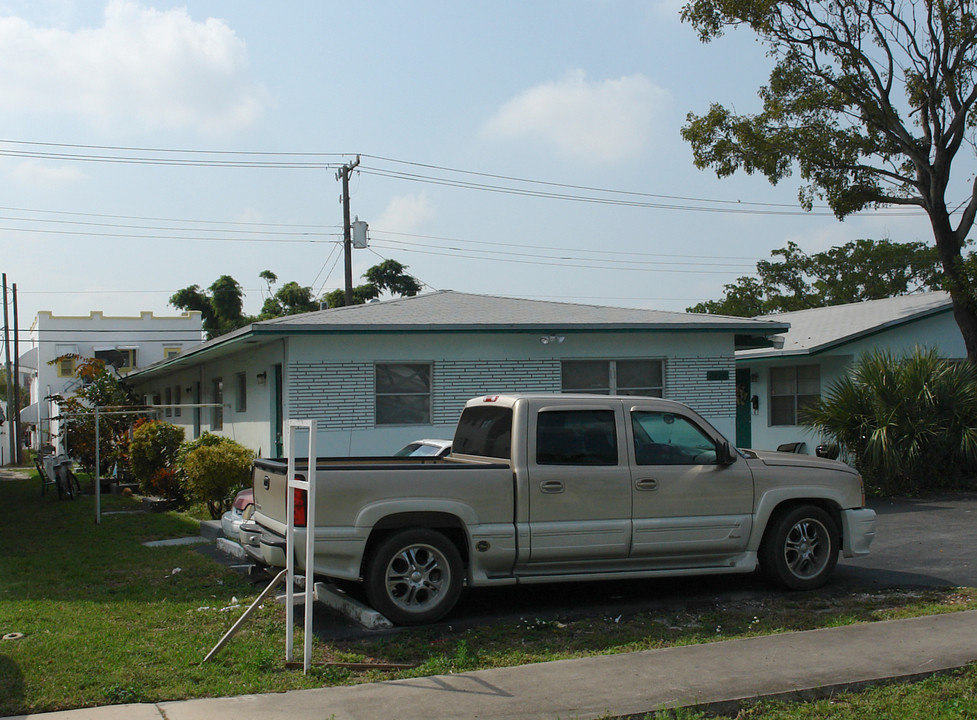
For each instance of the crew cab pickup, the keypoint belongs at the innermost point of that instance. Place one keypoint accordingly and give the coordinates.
(542, 488)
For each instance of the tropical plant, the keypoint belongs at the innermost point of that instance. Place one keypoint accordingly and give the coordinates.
(212, 468)
(909, 423)
(103, 388)
(152, 454)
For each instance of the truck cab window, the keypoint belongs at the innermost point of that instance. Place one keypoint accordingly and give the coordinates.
(576, 437)
(663, 438)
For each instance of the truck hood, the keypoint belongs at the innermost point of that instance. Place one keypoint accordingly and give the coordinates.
(782, 459)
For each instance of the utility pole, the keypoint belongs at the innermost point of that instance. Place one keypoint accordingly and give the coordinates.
(344, 173)
(10, 381)
(15, 420)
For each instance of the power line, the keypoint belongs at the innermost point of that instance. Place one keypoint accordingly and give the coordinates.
(321, 160)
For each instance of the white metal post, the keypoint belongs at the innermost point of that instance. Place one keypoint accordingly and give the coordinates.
(309, 485)
(98, 471)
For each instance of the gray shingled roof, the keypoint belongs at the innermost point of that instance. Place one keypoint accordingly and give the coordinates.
(819, 329)
(450, 310)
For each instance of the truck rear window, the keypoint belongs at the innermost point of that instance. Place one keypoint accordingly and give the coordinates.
(484, 431)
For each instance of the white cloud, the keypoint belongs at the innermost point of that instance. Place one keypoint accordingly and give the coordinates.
(45, 177)
(142, 67)
(405, 213)
(593, 121)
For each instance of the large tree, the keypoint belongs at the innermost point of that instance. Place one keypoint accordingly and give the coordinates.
(856, 271)
(871, 101)
(221, 310)
(390, 276)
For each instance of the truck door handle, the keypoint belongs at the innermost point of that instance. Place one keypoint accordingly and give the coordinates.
(266, 482)
(551, 486)
(647, 484)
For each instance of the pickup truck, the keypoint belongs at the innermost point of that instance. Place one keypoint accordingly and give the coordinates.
(544, 488)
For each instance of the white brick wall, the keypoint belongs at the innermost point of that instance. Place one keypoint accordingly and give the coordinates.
(341, 395)
(456, 382)
(338, 395)
(686, 381)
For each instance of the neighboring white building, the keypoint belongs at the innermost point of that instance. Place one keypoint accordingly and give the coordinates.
(380, 375)
(773, 384)
(58, 343)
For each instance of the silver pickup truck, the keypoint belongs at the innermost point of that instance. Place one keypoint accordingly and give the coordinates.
(543, 488)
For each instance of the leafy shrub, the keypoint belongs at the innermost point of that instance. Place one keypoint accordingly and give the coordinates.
(154, 448)
(213, 469)
(909, 423)
(164, 483)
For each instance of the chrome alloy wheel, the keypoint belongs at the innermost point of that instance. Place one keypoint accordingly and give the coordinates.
(417, 576)
(806, 548)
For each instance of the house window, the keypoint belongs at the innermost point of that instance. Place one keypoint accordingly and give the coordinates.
(614, 377)
(169, 352)
(66, 356)
(242, 392)
(168, 411)
(403, 394)
(177, 400)
(122, 359)
(217, 397)
(792, 389)
(66, 366)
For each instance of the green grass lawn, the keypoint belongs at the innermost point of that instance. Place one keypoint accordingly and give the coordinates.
(107, 620)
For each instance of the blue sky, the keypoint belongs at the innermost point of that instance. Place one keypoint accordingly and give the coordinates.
(584, 98)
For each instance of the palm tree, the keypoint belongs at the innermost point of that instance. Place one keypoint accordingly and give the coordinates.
(909, 423)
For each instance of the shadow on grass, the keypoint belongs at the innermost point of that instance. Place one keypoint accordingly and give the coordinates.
(11, 680)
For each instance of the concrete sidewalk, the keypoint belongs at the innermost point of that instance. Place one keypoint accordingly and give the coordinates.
(719, 675)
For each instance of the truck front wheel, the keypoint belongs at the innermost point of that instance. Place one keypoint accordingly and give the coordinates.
(414, 577)
(800, 548)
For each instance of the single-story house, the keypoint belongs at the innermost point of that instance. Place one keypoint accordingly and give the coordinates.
(380, 375)
(774, 383)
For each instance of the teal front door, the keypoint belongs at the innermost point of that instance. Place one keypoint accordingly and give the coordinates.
(744, 409)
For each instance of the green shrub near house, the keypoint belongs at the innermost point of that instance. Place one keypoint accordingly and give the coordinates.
(908, 422)
(211, 468)
(152, 456)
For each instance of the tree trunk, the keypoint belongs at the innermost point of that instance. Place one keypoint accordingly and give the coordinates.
(964, 306)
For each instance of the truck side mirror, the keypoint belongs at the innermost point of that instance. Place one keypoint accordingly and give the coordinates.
(724, 455)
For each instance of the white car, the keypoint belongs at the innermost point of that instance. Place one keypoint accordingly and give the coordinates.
(240, 511)
(425, 448)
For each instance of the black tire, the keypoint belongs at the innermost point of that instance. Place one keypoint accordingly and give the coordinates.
(414, 577)
(800, 548)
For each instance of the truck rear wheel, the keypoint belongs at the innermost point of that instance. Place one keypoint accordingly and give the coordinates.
(414, 577)
(800, 548)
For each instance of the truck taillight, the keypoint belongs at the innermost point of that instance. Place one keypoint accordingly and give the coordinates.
(300, 507)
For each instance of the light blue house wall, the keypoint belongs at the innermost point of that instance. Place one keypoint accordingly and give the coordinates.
(898, 334)
(332, 381)
(326, 362)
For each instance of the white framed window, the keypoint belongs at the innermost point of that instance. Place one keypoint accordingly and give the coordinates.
(403, 393)
(791, 390)
(168, 400)
(169, 352)
(122, 359)
(644, 377)
(177, 400)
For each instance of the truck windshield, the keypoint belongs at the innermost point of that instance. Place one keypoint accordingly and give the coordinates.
(484, 431)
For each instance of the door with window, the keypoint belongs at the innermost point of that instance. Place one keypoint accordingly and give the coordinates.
(685, 502)
(579, 484)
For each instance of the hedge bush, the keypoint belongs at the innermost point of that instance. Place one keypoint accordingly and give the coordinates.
(212, 468)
